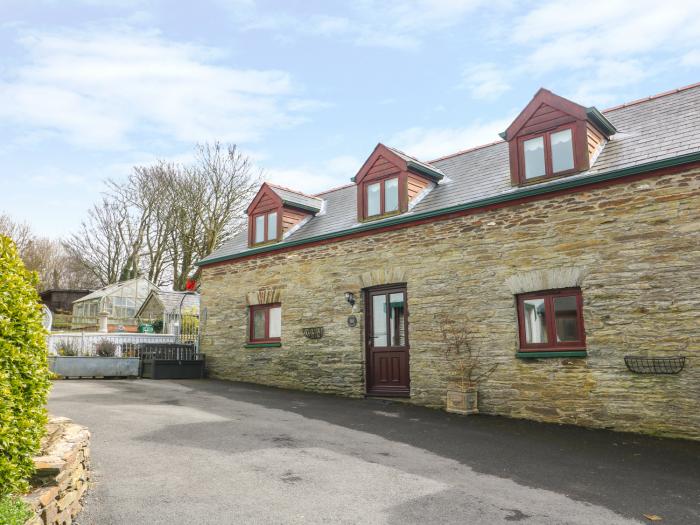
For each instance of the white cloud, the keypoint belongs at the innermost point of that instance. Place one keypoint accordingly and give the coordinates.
(393, 24)
(485, 81)
(100, 89)
(316, 178)
(430, 143)
(562, 37)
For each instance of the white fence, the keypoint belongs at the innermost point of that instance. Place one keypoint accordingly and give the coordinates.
(85, 343)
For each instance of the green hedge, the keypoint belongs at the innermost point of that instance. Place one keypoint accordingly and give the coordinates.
(24, 374)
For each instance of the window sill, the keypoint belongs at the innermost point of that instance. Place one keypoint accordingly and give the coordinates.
(550, 353)
(263, 345)
(380, 217)
(264, 243)
(544, 178)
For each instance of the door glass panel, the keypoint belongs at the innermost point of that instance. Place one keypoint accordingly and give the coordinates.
(259, 228)
(562, 151)
(276, 321)
(535, 321)
(379, 320)
(272, 226)
(258, 324)
(397, 325)
(534, 157)
(373, 191)
(566, 318)
(391, 195)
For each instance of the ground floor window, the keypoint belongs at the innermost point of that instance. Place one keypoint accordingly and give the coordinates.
(265, 323)
(551, 320)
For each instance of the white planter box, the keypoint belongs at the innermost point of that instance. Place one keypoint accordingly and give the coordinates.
(94, 366)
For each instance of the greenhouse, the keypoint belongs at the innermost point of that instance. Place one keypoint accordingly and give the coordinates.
(121, 301)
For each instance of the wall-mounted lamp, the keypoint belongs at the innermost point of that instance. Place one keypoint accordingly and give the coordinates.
(350, 298)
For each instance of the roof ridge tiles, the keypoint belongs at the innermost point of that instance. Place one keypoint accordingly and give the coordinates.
(334, 189)
(468, 150)
(652, 97)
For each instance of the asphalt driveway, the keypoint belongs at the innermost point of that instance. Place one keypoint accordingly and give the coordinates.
(213, 452)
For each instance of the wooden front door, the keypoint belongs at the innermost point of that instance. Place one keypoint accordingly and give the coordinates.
(386, 340)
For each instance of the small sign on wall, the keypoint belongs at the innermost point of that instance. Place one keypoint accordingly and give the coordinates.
(352, 321)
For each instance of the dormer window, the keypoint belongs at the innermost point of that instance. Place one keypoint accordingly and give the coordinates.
(389, 181)
(383, 197)
(548, 154)
(265, 226)
(276, 211)
(554, 137)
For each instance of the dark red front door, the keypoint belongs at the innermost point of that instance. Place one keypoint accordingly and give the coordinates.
(386, 334)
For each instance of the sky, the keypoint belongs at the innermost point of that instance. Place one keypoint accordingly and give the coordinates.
(91, 88)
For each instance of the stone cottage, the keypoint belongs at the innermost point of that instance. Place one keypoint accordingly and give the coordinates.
(561, 249)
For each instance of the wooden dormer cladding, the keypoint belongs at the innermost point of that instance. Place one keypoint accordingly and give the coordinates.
(554, 137)
(276, 210)
(291, 218)
(388, 181)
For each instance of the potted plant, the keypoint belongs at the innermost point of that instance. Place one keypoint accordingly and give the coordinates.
(465, 368)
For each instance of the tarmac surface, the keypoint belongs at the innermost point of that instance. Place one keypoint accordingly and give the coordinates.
(216, 452)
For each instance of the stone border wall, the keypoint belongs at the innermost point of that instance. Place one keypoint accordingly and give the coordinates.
(62, 474)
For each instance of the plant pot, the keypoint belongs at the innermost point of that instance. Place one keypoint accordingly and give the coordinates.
(84, 366)
(462, 400)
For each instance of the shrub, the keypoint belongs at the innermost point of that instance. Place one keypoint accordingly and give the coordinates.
(24, 372)
(13, 511)
(105, 348)
(68, 349)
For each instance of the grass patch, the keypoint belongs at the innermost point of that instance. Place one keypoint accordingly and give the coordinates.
(13, 511)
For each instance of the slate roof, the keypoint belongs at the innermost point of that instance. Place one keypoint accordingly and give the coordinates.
(296, 198)
(653, 129)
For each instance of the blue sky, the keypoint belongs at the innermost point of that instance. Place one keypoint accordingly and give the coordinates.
(90, 88)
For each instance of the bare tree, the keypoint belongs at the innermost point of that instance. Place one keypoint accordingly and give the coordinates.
(163, 218)
(101, 245)
(55, 266)
(19, 232)
(208, 200)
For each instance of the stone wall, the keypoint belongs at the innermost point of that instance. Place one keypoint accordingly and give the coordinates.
(62, 474)
(633, 248)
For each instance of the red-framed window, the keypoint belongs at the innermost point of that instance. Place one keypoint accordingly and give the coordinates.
(551, 320)
(381, 197)
(265, 323)
(266, 227)
(547, 154)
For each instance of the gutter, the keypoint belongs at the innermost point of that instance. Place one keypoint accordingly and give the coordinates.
(303, 207)
(490, 201)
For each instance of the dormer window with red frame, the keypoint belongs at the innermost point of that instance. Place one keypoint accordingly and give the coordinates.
(553, 137)
(265, 227)
(382, 197)
(547, 154)
(275, 211)
(389, 181)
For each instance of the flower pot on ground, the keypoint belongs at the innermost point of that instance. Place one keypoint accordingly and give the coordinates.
(465, 368)
(462, 400)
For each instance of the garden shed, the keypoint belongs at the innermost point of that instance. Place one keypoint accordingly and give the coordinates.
(120, 300)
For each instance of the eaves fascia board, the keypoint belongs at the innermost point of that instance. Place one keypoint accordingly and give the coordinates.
(434, 174)
(481, 203)
(599, 120)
